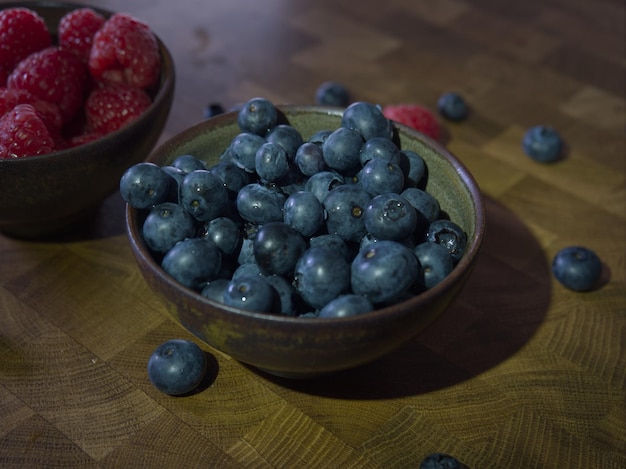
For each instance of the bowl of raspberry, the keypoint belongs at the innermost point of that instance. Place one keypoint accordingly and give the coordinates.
(303, 240)
(108, 85)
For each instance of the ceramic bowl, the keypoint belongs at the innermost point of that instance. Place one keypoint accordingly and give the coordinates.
(41, 196)
(298, 347)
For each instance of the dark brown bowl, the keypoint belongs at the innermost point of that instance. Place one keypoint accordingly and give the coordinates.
(303, 347)
(49, 194)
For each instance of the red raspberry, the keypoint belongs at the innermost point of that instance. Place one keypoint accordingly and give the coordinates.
(23, 133)
(125, 51)
(414, 116)
(114, 105)
(22, 32)
(54, 75)
(49, 112)
(77, 29)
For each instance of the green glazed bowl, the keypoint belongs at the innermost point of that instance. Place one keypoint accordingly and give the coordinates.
(304, 347)
(42, 196)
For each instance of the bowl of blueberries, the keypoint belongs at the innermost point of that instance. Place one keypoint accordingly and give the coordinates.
(303, 240)
(74, 111)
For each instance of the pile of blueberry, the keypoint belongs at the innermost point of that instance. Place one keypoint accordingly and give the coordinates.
(337, 225)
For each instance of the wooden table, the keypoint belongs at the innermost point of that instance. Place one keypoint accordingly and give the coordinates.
(519, 373)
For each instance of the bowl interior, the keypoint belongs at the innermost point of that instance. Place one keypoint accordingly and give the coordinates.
(299, 347)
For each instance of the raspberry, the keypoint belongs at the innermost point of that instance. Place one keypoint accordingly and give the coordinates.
(125, 51)
(114, 105)
(49, 112)
(77, 29)
(23, 133)
(22, 32)
(54, 75)
(414, 116)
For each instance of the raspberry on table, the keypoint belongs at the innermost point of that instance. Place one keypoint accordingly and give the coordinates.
(23, 133)
(22, 32)
(77, 30)
(114, 105)
(414, 116)
(54, 75)
(125, 51)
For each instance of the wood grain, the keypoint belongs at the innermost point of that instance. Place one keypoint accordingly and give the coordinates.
(518, 373)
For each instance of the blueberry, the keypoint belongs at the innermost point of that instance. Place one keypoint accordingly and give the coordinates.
(165, 225)
(232, 176)
(258, 203)
(440, 461)
(243, 150)
(320, 136)
(542, 144)
(192, 262)
(342, 150)
(277, 247)
(320, 276)
(215, 289)
(203, 195)
(271, 163)
(177, 367)
(577, 268)
(378, 147)
(286, 294)
(224, 233)
(304, 212)
(346, 305)
(345, 208)
(188, 163)
(320, 184)
(427, 205)
(416, 171)
(449, 235)
(380, 176)
(251, 293)
(390, 216)
(436, 263)
(212, 110)
(248, 269)
(331, 93)
(287, 137)
(333, 242)
(453, 107)
(144, 185)
(310, 159)
(367, 119)
(384, 271)
(257, 116)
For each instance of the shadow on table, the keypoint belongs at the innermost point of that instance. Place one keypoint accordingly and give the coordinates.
(499, 310)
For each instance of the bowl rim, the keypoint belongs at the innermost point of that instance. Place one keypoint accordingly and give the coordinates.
(466, 263)
(166, 84)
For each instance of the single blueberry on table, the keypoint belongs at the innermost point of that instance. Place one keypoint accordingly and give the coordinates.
(320, 276)
(440, 461)
(543, 144)
(304, 212)
(453, 107)
(213, 109)
(367, 119)
(203, 195)
(252, 293)
(145, 185)
(165, 225)
(436, 263)
(577, 268)
(257, 116)
(346, 305)
(193, 262)
(177, 367)
(384, 271)
(449, 235)
(331, 93)
(277, 247)
(390, 216)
